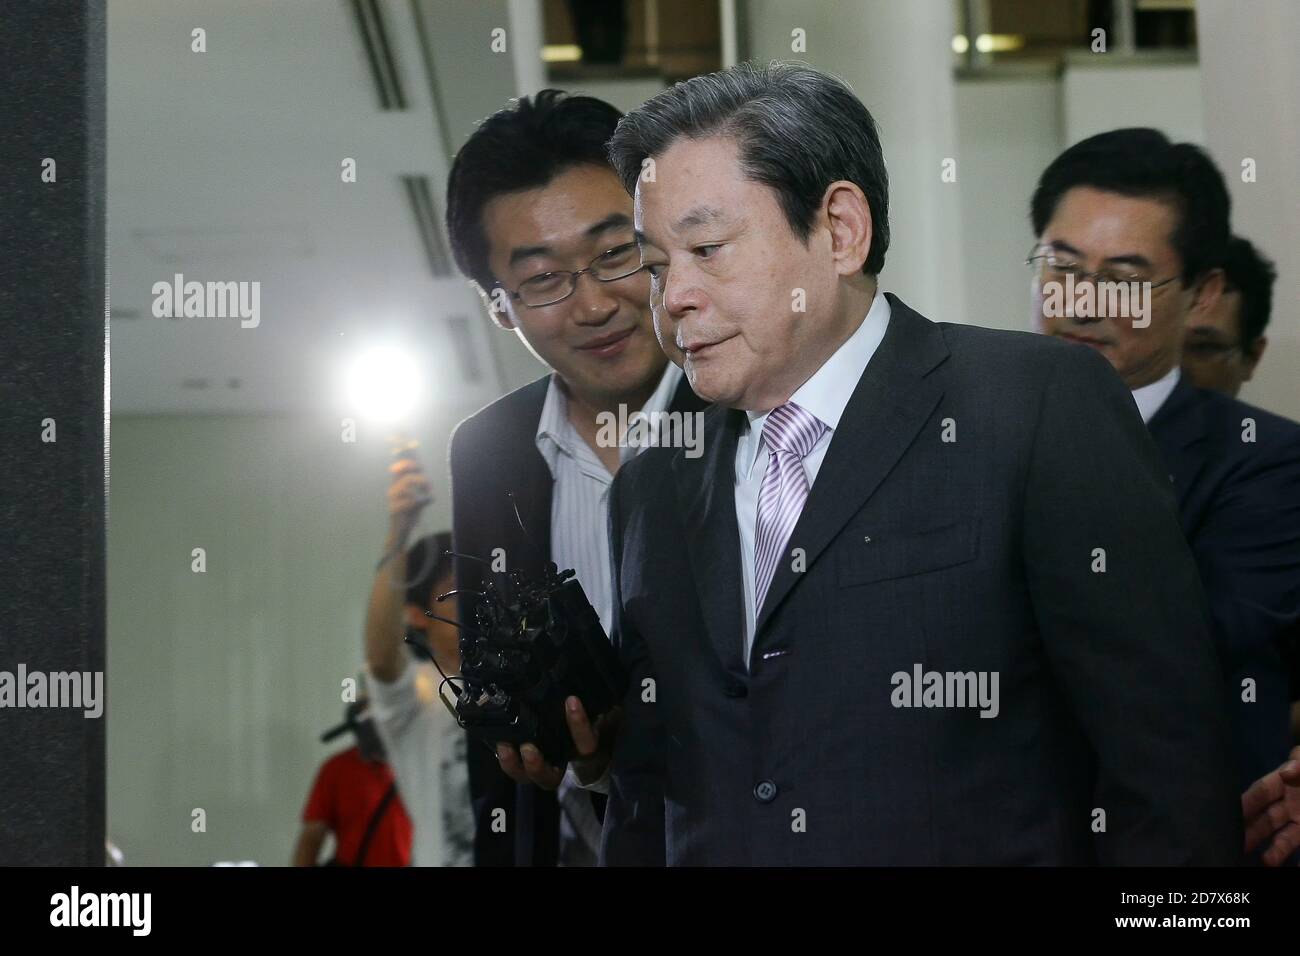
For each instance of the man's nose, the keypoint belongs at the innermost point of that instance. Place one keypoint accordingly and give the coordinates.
(680, 297)
(593, 301)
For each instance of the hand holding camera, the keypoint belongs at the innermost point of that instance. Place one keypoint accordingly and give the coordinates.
(594, 745)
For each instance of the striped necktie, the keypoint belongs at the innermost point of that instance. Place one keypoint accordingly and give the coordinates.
(790, 433)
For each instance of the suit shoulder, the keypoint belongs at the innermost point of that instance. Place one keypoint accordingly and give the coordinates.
(977, 338)
(1227, 407)
(514, 411)
(1232, 415)
(646, 470)
(1010, 357)
(644, 477)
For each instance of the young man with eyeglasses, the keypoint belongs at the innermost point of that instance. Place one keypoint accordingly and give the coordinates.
(543, 227)
(1224, 344)
(1131, 206)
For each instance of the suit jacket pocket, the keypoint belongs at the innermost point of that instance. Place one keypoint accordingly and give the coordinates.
(900, 553)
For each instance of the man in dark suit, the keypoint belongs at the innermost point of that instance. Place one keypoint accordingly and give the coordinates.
(924, 599)
(540, 223)
(1222, 349)
(1239, 500)
(1130, 207)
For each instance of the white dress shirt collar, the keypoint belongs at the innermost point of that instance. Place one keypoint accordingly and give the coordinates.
(556, 434)
(1149, 398)
(827, 392)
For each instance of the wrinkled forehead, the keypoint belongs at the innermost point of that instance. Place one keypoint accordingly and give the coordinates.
(1107, 225)
(695, 187)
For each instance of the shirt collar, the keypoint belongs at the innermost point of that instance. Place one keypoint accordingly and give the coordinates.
(1149, 398)
(827, 392)
(556, 434)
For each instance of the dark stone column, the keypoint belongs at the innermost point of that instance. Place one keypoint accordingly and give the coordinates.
(53, 319)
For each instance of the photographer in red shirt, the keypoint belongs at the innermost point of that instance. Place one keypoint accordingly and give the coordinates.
(355, 798)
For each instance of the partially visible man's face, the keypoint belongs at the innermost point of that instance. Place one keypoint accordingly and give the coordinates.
(1214, 356)
(726, 267)
(600, 339)
(441, 635)
(1128, 236)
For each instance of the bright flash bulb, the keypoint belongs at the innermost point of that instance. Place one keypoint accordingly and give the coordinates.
(383, 384)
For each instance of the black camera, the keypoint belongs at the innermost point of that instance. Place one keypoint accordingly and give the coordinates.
(533, 642)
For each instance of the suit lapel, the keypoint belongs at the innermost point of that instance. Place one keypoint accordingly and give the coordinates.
(1178, 427)
(891, 403)
(706, 491)
(530, 482)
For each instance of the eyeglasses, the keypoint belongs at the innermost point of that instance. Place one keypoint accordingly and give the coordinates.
(1054, 267)
(548, 288)
(1211, 351)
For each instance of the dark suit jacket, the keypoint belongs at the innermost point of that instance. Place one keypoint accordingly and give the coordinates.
(961, 556)
(1239, 503)
(493, 454)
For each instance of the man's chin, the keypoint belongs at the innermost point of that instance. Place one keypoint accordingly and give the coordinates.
(626, 376)
(707, 385)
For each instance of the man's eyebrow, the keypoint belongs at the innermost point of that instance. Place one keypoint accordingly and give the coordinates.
(615, 220)
(1060, 245)
(699, 216)
(1129, 258)
(519, 253)
(1204, 332)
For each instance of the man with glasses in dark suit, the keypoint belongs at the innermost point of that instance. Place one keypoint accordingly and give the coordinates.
(1130, 208)
(542, 226)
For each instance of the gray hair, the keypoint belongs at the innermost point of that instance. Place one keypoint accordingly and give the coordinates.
(798, 129)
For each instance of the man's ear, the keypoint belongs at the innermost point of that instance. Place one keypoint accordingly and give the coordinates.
(848, 215)
(415, 617)
(1253, 353)
(1208, 291)
(497, 302)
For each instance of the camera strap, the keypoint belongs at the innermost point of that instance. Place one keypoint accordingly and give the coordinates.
(373, 825)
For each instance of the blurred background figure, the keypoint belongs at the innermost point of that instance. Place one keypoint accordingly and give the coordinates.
(425, 745)
(1224, 343)
(355, 801)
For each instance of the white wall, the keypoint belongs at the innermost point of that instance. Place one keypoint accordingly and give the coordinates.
(625, 94)
(1251, 87)
(897, 57)
(219, 684)
(1008, 130)
(1098, 94)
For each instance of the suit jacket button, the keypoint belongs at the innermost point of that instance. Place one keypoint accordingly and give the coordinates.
(765, 791)
(736, 689)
